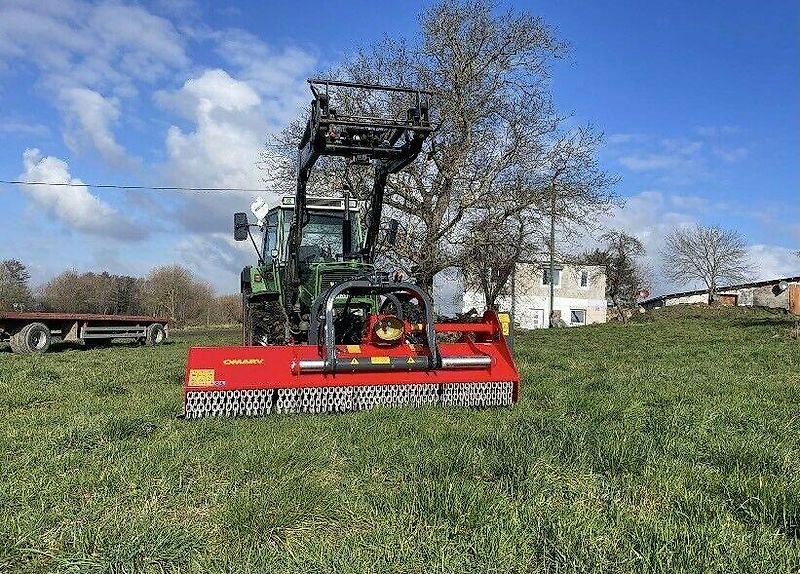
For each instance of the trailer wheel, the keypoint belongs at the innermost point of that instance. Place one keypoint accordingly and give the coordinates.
(32, 338)
(155, 335)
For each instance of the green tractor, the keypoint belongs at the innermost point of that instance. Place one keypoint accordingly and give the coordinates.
(310, 245)
(323, 262)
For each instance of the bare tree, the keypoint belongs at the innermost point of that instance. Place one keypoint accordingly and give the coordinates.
(66, 293)
(492, 108)
(625, 273)
(708, 254)
(229, 309)
(73, 292)
(173, 290)
(493, 245)
(561, 190)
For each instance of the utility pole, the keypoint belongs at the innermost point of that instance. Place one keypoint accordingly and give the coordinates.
(512, 328)
(552, 250)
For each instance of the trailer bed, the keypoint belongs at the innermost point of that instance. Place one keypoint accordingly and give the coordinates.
(33, 332)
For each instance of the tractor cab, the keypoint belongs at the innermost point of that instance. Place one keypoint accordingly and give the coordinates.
(323, 233)
(330, 250)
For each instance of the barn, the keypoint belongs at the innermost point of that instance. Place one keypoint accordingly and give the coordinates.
(780, 293)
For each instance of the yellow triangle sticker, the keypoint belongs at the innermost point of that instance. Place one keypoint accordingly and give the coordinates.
(354, 361)
(411, 361)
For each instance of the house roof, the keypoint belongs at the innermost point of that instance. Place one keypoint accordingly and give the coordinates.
(720, 289)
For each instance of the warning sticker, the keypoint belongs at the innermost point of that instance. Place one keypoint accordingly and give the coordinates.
(354, 361)
(411, 361)
(379, 360)
(201, 377)
(353, 348)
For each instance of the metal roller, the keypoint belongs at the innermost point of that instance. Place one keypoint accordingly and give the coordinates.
(345, 399)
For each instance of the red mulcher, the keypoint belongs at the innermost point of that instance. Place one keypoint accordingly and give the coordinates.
(396, 364)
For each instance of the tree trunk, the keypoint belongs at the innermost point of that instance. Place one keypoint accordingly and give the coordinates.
(620, 312)
(424, 280)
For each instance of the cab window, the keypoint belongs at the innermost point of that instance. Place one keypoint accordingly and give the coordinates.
(322, 238)
(271, 236)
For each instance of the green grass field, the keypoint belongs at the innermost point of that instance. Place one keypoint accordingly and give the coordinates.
(668, 445)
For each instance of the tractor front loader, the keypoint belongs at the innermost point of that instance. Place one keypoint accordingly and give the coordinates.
(323, 330)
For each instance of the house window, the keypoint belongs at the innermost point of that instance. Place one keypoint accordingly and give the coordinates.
(577, 316)
(546, 277)
(584, 278)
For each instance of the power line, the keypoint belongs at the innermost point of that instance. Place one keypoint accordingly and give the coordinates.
(145, 187)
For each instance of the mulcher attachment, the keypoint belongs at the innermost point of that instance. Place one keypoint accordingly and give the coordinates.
(406, 369)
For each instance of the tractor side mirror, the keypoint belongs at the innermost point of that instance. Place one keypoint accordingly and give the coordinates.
(241, 226)
(391, 237)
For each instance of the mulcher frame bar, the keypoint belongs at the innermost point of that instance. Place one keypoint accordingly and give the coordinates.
(367, 287)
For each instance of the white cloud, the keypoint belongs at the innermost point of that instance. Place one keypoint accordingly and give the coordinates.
(89, 118)
(278, 75)
(221, 151)
(81, 50)
(100, 46)
(16, 126)
(216, 256)
(679, 160)
(214, 89)
(232, 117)
(716, 131)
(73, 205)
(624, 138)
(731, 155)
(651, 215)
(689, 202)
(647, 162)
(671, 153)
(771, 261)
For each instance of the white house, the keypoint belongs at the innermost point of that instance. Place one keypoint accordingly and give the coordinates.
(579, 295)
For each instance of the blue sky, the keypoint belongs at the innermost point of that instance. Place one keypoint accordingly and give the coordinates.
(699, 101)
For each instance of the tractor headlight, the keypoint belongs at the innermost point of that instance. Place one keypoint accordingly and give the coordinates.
(389, 329)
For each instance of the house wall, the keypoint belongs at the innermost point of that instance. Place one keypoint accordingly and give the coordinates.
(533, 298)
(699, 298)
(764, 296)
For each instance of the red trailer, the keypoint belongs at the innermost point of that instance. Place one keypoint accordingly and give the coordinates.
(34, 332)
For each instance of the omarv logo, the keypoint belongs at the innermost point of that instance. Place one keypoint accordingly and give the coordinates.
(243, 362)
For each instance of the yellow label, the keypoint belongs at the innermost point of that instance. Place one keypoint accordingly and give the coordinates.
(411, 361)
(505, 320)
(380, 360)
(353, 348)
(201, 377)
(354, 361)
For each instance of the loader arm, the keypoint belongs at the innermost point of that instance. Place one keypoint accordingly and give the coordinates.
(389, 142)
(382, 171)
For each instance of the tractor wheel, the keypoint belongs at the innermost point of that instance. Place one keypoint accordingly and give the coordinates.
(155, 335)
(265, 323)
(32, 338)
